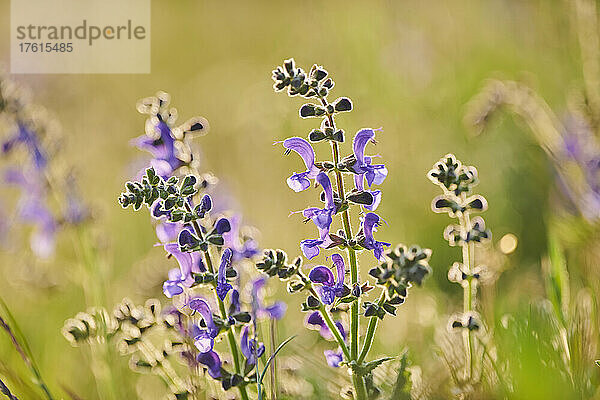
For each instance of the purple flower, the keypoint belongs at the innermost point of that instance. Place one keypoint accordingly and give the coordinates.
(329, 288)
(251, 349)
(315, 321)
(275, 310)
(162, 149)
(322, 219)
(168, 231)
(204, 338)
(334, 357)
(212, 362)
(369, 224)
(28, 138)
(242, 247)
(359, 185)
(301, 181)
(32, 209)
(222, 285)
(188, 263)
(375, 174)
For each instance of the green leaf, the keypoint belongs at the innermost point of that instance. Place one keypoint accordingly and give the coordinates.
(403, 384)
(264, 371)
(557, 278)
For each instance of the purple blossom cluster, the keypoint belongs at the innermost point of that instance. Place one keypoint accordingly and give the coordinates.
(30, 149)
(193, 232)
(328, 292)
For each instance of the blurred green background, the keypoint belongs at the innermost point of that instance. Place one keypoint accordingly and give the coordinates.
(409, 67)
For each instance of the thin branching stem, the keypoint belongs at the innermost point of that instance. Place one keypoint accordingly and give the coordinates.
(230, 334)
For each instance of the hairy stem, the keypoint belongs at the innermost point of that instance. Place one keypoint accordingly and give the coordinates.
(358, 381)
(468, 297)
(371, 328)
(230, 334)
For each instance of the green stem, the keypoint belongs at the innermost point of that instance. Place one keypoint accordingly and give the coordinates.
(358, 381)
(230, 334)
(370, 332)
(467, 252)
(23, 349)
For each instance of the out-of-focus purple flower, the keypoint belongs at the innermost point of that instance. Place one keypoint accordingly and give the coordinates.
(223, 287)
(334, 357)
(275, 310)
(168, 231)
(29, 139)
(204, 338)
(212, 362)
(235, 306)
(315, 321)
(329, 288)
(375, 174)
(251, 349)
(242, 247)
(370, 222)
(322, 219)
(32, 208)
(301, 181)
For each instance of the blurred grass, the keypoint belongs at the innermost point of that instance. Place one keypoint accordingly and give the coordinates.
(409, 67)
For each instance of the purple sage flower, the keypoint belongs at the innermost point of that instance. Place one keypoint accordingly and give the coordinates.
(370, 222)
(329, 288)
(301, 181)
(375, 174)
(204, 338)
(189, 263)
(275, 310)
(251, 349)
(212, 362)
(315, 321)
(223, 287)
(322, 219)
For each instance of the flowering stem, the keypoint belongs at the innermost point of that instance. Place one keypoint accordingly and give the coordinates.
(359, 383)
(230, 334)
(467, 252)
(370, 332)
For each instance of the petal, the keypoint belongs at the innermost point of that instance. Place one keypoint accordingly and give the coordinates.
(204, 342)
(338, 262)
(321, 274)
(200, 305)
(334, 358)
(304, 150)
(212, 362)
(184, 259)
(244, 345)
(222, 285)
(298, 182)
(376, 200)
(277, 310)
(359, 143)
(310, 247)
(327, 294)
(172, 288)
(323, 180)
